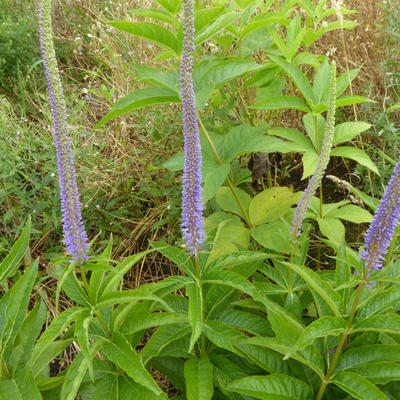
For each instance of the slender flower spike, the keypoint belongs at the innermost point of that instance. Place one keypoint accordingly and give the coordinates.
(381, 230)
(192, 218)
(75, 237)
(323, 160)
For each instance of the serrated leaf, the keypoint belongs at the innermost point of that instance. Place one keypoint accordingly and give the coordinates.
(16, 254)
(199, 378)
(162, 339)
(272, 387)
(270, 204)
(379, 373)
(120, 352)
(194, 292)
(297, 76)
(321, 287)
(368, 353)
(142, 321)
(322, 327)
(150, 31)
(349, 130)
(155, 13)
(138, 99)
(215, 27)
(355, 154)
(19, 296)
(358, 386)
(282, 103)
(274, 235)
(228, 202)
(171, 6)
(388, 323)
(310, 356)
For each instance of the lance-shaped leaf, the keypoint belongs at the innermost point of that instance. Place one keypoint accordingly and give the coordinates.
(199, 379)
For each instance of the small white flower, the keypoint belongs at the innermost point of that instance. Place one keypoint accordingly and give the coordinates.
(97, 206)
(53, 175)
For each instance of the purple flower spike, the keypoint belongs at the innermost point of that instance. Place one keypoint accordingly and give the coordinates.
(323, 160)
(75, 237)
(192, 208)
(381, 230)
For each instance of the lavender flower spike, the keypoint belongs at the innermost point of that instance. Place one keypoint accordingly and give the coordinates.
(75, 237)
(192, 218)
(381, 230)
(323, 160)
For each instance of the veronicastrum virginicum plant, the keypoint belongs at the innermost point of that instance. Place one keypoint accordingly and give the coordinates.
(245, 324)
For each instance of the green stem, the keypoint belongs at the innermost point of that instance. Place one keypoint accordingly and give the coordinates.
(103, 324)
(198, 278)
(84, 280)
(343, 338)
(230, 184)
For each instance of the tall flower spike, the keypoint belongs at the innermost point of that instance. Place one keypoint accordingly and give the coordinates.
(75, 237)
(192, 218)
(381, 230)
(323, 160)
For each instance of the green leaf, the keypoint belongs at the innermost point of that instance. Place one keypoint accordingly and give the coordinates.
(53, 331)
(73, 378)
(193, 291)
(369, 353)
(16, 254)
(310, 356)
(27, 335)
(213, 179)
(9, 390)
(245, 321)
(349, 130)
(342, 82)
(302, 143)
(234, 259)
(199, 379)
(229, 238)
(82, 334)
(271, 204)
(355, 154)
(380, 303)
(265, 358)
(155, 13)
(177, 256)
(282, 103)
(138, 99)
(321, 83)
(18, 301)
(225, 70)
(297, 76)
(352, 213)
(120, 352)
(321, 287)
(162, 339)
(379, 373)
(228, 202)
(152, 32)
(273, 236)
(223, 335)
(245, 140)
(172, 6)
(315, 127)
(322, 327)
(115, 277)
(388, 323)
(349, 100)
(143, 321)
(215, 27)
(358, 387)
(332, 228)
(166, 79)
(272, 387)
